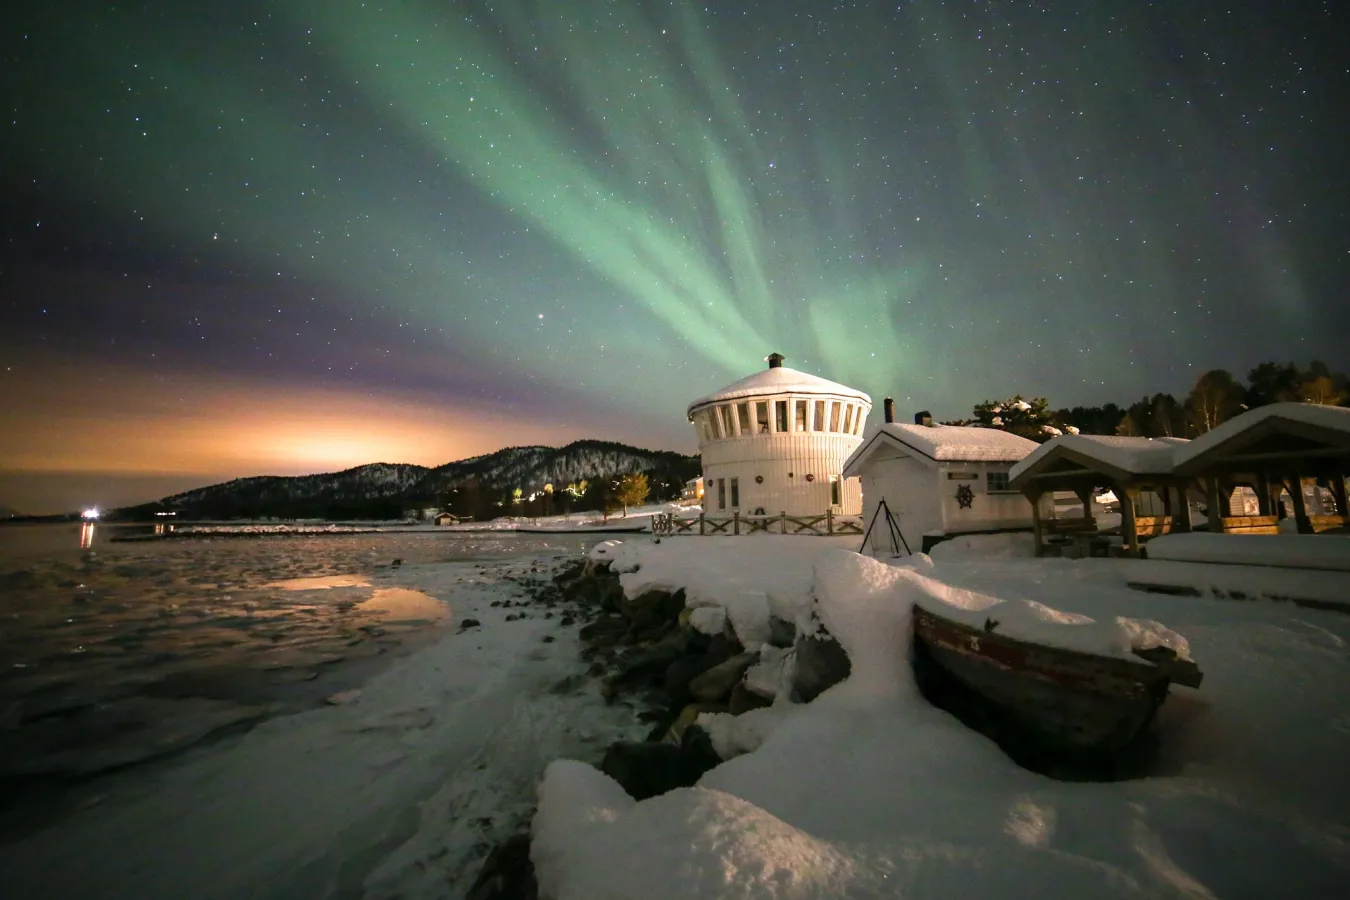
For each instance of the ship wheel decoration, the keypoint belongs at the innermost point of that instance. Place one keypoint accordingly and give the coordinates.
(965, 496)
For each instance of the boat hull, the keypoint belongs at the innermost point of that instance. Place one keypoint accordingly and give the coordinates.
(1063, 699)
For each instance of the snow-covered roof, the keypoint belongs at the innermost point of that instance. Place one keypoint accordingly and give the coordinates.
(1133, 455)
(944, 443)
(1332, 418)
(779, 380)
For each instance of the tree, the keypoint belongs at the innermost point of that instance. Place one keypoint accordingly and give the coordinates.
(633, 489)
(1320, 385)
(1272, 382)
(1033, 420)
(1215, 399)
(1092, 419)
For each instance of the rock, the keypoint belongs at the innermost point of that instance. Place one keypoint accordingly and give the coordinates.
(748, 613)
(567, 620)
(653, 607)
(674, 733)
(743, 700)
(684, 670)
(710, 620)
(604, 631)
(766, 676)
(342, 698)
(547, 639)
(649, 769)
(507, 873)
(469, 623)
(782, 633)
(717, 682)
(651, 661)
(820, 664)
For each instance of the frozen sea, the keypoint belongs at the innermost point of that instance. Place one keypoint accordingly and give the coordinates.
(126, 667)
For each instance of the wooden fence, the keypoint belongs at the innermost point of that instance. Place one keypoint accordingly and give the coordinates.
(670, 524)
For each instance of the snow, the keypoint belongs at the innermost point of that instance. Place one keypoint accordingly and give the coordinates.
(1136, 455)
(945, 443)
(780, 380)
(1301, 551)
(1004, 545)
(869, 791)
(1333, 418)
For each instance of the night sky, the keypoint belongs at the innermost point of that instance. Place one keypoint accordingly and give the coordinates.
(246, 237)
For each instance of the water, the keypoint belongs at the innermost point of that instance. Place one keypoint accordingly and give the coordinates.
(114, 653)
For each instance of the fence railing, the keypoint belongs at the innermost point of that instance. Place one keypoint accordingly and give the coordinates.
(825, 524)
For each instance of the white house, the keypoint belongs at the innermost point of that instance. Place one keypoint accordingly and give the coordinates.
(938, 481)
(775, 442)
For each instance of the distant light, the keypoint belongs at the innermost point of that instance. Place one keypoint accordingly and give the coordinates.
(91, 513)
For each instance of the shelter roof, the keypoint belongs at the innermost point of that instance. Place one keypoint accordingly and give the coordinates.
(943, 443)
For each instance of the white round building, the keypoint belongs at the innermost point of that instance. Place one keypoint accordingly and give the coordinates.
(776, 441)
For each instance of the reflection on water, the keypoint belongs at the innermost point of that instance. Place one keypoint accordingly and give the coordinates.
(404, 605)
(320, 582)
(87, 535)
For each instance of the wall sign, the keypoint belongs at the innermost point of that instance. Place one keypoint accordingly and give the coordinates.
(963, 476)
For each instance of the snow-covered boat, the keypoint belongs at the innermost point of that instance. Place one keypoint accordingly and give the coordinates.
(1061, 699)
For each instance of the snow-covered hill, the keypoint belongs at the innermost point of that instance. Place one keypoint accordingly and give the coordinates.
(383, 490)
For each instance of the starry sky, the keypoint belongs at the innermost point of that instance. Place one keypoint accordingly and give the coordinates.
(292, 236)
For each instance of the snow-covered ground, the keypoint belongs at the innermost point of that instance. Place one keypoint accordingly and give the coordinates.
(871, 792)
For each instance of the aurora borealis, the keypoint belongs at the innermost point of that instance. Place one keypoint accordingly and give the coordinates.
(279, 237)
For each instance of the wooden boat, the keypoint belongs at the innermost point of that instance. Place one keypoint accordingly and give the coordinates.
(1062, 700)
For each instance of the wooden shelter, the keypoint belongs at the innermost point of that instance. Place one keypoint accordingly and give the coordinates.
(1301, 448)
(1131, 467)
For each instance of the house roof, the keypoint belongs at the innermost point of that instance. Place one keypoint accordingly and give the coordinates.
(1309, 419)
(779, 380)
(1115, 455)
(943, 443)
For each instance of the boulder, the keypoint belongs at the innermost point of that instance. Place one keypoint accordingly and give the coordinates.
(674, 732)
(820, 664)
(604, 631)
(743, 700)
(684, 670)
(649, 769)
(650, 661)
(782, 633)
(717, 682)
(654, 607)
(507, 873)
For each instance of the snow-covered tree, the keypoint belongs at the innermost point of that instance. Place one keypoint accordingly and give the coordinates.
(1031, 419)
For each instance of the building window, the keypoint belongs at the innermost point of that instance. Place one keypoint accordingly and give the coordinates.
(818, 423)
(848, 418)
(716, 422)
(801, 416)
(735, 493)
(780, 416)
(724, 413)
(858, 421)
(721, 493)
(743, 414)
(834, 415)
(762, 417)
(704, 428)
(998, 483)
(834, 490)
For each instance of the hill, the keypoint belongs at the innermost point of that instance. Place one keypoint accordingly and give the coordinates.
(481, 487)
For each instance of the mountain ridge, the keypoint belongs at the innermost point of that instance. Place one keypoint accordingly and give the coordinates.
(477, 486)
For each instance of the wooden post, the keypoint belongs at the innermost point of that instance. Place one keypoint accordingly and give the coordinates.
(829, 521)
(1036, 529)
(1337, 483)
(735, 521)
(1301, 520)
(1085, 497)
(1129, 529)
(1215, 525)
(782, 522)
(1264, 504)
(1181, 510)
(701, 524)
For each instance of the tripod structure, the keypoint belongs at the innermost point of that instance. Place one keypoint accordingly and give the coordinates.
(893, 527)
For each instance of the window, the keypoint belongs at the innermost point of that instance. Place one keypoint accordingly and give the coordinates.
(701, 424)
(716, 422)
(801, 416)
(724, 413)
(762, 417)
(743, 414)
(998, 483)
(735, 493)
(780, 416)
(721, 493)
(858, 421)
(818, 423)
(848, 418)
(834, 415)
(834, 490)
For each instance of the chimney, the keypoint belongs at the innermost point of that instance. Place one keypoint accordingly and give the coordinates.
(775, 360)
(923, 417)
(889, 406)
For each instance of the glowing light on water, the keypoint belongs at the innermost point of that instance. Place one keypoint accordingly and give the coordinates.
(90, 513)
